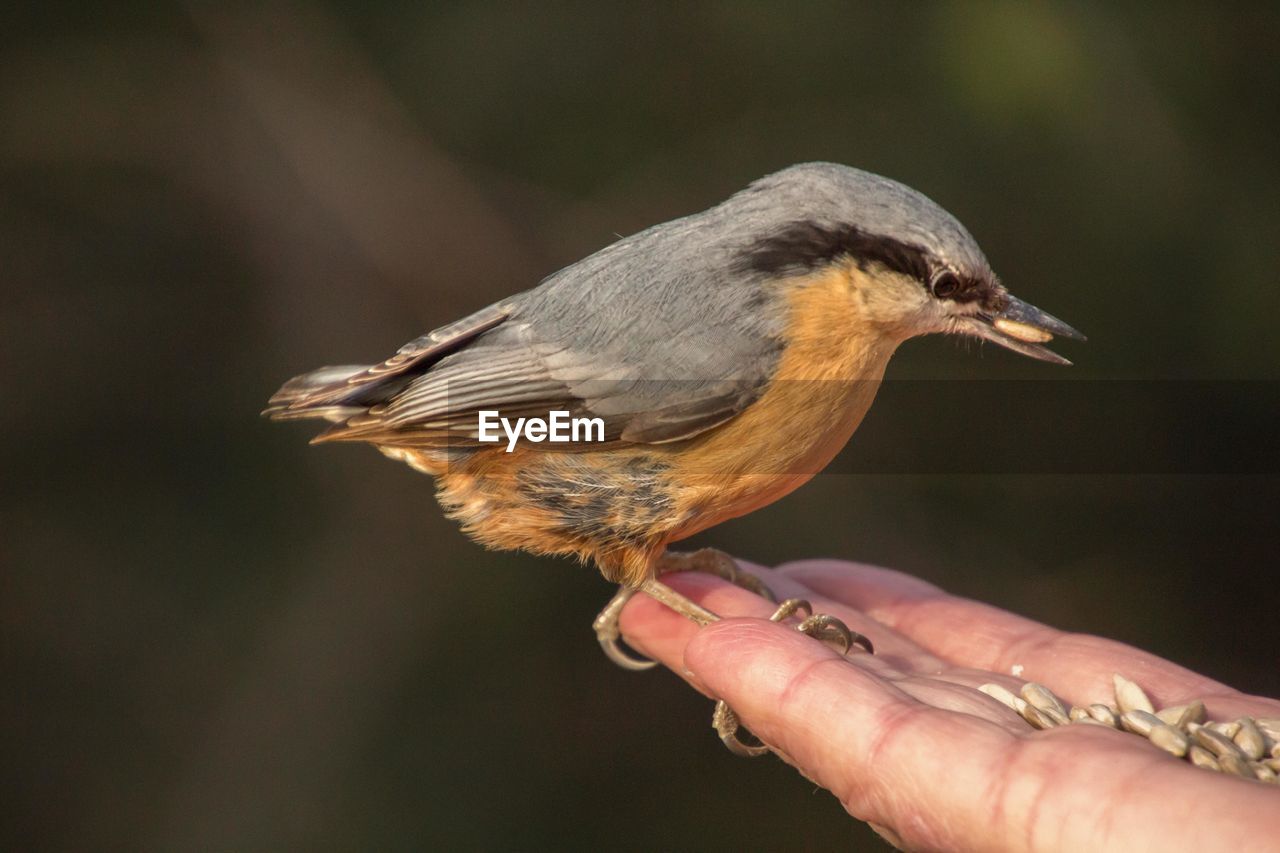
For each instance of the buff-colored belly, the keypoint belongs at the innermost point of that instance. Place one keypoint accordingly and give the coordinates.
(775, 447)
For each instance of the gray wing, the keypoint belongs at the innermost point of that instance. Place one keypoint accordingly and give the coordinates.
(334, 393)
(656, 334)
(519, 374)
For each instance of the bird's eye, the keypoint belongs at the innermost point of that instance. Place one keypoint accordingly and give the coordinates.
(944, 284)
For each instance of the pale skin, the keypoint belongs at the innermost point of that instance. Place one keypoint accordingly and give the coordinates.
(904, 739)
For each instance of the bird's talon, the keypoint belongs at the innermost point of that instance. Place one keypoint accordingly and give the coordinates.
(831, 630)
(726, 724)
(790, 607)
(609, 634)
(751, 583)
(616, 652)
(821, 626)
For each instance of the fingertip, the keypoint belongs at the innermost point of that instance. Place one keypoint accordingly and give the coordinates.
(656, 631)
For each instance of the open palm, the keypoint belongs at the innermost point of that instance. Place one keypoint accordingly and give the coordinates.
(906, 741)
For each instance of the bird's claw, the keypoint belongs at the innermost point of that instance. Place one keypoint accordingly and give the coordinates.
(822, 626)
(616, 652)
(609, 635)
(706, 560)
(727, 726)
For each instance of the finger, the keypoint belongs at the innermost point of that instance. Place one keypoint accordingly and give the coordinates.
(971, 634)
(939, 778)
(652, 632)
(662, 634)
(889, 644)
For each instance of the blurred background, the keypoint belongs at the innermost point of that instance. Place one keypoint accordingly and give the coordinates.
(216, 637)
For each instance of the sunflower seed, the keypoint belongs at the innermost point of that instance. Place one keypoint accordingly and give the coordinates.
(1059, 718)
(1078, 714)
(1036, 717)
(1202, 757)
(1250, 740)
(1263, 772)
(1044, 699)
(1180, 715)
(1090, 721)
(1130, 697)
(1104, 714)
(1236, 766)
(1273, 763)
(1022, 331)
(1267, 740)
(1170, 739)
(1001, 695)
(1139, 722)
(1216, 743)
(1227, 730)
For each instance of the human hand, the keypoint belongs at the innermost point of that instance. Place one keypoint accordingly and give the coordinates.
(906, 741)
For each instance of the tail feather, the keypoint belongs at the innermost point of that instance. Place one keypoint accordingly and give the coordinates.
(339, 393)
(290, 402)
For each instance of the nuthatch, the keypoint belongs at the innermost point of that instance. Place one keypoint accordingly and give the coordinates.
(724, 359)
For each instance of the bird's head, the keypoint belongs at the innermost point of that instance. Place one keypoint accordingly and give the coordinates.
(919, 269)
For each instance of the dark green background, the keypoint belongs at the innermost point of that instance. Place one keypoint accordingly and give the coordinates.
(215, 637)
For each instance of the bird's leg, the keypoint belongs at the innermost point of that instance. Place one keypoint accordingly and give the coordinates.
(829, 629)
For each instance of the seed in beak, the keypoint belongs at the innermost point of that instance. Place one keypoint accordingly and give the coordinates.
(1022, 331)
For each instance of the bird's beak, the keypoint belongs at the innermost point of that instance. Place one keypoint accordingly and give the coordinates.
(1022, 328)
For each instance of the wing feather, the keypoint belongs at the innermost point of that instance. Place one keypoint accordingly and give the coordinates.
(658, 334)
(330, 388)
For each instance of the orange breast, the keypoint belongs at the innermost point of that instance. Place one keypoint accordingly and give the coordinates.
(826, 380)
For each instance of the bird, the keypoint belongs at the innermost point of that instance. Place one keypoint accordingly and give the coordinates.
(715, 363)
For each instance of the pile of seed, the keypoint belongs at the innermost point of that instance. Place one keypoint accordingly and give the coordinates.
(1247, 747)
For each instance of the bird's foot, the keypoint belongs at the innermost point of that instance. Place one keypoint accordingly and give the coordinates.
(712, 562)
(820, 626)
(706, 560)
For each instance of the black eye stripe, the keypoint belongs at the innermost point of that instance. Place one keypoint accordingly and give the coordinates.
(804, 246)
